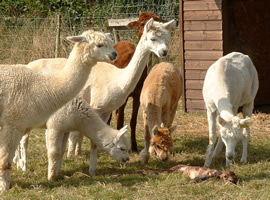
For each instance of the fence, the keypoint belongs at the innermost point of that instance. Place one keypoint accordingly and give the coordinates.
(25, 39)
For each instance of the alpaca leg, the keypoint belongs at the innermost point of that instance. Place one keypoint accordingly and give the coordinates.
(211, 117)
(120, 116)
(24, 145)
(9, 141)
(63, 149)
(144, 154)
(78, 150)
(218, 147)
(93, 159)
(72, 141)
(54, 145)
(247, 112)
(133, 122)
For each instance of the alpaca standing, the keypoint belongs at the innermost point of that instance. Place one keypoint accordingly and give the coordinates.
(125, 52)
(27, 98)
(108, 86)
(81, 117)
(230, 83)
(159, 99)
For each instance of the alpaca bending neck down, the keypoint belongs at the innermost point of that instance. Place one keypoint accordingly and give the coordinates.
(81, 117)
(27, 98)
(230, 83)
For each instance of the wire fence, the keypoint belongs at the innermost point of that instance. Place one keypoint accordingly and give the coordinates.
(26, 39)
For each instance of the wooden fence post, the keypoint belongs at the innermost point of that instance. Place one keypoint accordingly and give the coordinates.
(57, 41)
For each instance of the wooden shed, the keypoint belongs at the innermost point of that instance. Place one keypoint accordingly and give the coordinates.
(213, 28)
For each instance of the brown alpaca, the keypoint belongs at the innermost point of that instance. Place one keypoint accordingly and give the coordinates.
(125, 50)
(159, 99)
(161, 143)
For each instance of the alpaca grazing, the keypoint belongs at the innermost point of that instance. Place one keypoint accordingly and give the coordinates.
(28, 98)
(159, 99)
(108, 87)
(125, 50)
(230, 83)
(81, 117)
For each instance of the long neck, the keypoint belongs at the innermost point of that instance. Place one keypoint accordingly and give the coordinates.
(133, 72)
(97, 130)
(69, 81)
(225, 109)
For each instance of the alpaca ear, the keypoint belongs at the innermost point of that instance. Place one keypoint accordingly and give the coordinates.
(172, 129)
(245, 123)
(221, 121)
(78, 38)
(170, 25)
(155, 130)
(122, 132)
(148, 24)
(133, 25)
(108, 34)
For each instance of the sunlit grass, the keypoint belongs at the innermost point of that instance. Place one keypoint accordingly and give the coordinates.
(190, 141)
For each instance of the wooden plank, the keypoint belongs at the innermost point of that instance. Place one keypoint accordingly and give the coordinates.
(194, 84)
(202, 35)
(198, 64)
(195, 74)
(202, 5)
(203, 45)
(120, 22)
(195, 104)
(181, 31)
(203, 55)
(203, 15)
(203, 25)
(194, 94)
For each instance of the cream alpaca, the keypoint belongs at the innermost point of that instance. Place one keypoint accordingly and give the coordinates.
(27, 98)
(231, 82)
(78, 116)
(108, 90)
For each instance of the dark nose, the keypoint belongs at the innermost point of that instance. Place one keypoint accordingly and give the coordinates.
(229, 156)
(165, 52)
(113, 55)
(125, 160)
(165, 159)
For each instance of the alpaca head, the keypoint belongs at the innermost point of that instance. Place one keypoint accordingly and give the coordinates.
(231, 132)
(94, 46)
(156, 36)
(161, 143)
(120, 146)
(139, 25)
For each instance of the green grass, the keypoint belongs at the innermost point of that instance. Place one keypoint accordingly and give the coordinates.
(190, 143)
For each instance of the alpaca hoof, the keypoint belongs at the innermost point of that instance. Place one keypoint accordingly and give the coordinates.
(243, 160)
(92, 172)
(144, 157)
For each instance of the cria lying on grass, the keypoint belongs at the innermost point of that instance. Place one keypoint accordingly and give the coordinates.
(231, 82)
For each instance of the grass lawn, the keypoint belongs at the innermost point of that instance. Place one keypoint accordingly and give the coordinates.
(190, 142)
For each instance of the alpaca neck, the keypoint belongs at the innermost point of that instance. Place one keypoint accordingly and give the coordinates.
(97, 130)
(133, 72)
(70, 80)
(225, 109)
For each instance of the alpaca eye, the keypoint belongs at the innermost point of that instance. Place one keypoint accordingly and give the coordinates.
(99, 45)
(122, 149)
(153, 39)
(142, 25)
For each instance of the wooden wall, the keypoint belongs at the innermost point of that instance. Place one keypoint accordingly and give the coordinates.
(201, 27)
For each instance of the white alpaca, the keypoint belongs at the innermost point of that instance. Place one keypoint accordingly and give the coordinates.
(27, 98)
(110, 86)
(160, 94)
(231, 82)
(78, 116)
